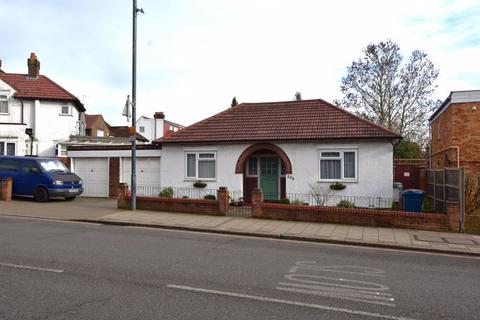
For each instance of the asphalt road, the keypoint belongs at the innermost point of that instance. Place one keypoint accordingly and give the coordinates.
(65, 270)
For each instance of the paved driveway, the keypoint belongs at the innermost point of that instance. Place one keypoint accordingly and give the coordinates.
(80, 208)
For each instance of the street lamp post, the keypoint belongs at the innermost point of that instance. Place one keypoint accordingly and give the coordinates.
(133, 183)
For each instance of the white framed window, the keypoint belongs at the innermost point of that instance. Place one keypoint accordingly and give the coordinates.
(141, 129)
(7, 148)
(3, 104)
(338, 165)
(100, 133)
(65, 110)
(201, 165)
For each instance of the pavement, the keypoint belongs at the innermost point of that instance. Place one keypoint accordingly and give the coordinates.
(105, 211)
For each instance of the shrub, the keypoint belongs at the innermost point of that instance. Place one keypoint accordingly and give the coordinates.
(184, 197)
(297, 202)
(426, 205)
(166, 192)
(210, 197)
(345, 204)
(394, 205)
(285, 201)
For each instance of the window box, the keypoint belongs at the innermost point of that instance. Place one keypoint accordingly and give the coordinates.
(199, 184)
(337, 186)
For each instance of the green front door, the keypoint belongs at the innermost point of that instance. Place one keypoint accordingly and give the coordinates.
(269, 178)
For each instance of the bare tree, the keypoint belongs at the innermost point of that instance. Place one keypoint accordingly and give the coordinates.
(395, 95)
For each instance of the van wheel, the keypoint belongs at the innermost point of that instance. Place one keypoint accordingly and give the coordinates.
(70, 198)
(41, 194)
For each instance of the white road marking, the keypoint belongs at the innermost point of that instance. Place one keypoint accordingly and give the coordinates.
(288, 302)
(364, 271)
(19, 266)
(329, 294)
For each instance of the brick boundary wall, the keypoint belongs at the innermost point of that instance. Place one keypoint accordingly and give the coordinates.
(217, 207)
(357, 216)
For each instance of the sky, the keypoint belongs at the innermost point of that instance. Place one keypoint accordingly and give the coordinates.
(194, 56)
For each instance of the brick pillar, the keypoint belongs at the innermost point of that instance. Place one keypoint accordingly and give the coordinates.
(222, 199)
(6, 189)
(453, 211)
(257, 203)
(114, 176)
(122, 196)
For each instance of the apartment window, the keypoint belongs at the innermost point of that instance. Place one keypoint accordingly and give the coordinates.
(200, 165)
(338, 165)
(3, 104)
(141, 129)
(7, 148)
(65, 110)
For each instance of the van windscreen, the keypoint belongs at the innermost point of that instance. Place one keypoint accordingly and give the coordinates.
(53, 166)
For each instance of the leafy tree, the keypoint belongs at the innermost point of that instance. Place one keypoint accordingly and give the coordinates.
(408, 149)
(389, 92)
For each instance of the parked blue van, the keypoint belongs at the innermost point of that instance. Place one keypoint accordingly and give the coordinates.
(40, 178)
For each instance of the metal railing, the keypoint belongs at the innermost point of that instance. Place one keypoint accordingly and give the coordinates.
(175, 192)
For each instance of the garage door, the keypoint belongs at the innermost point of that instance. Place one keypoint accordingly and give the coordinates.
(94, 173)
(148, 171)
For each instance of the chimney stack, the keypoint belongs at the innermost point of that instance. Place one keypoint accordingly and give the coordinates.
(33, 66)
(158, 115)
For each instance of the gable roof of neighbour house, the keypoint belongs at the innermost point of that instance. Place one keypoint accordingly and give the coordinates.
(42, 88)
(90, 119)
(465, 96)
(287, 120)
(122, 131)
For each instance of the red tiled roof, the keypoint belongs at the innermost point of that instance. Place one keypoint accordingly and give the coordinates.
(122, 131)
(91, 118)
(288, 120)
(39, 88)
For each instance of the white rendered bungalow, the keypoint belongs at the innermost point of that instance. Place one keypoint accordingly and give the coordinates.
(284, 148)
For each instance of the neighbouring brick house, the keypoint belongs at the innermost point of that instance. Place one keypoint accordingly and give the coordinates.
(96, 126)
(455, 132)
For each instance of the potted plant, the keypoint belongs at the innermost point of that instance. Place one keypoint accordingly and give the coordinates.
(199, 184)
(337, 186)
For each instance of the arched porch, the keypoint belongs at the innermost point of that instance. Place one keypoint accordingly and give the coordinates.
(264, 166)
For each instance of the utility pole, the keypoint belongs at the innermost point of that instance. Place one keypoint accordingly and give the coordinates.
(133, 130)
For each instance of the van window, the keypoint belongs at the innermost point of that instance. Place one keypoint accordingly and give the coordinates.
(53, 166)
(9, 165)
(30, 166)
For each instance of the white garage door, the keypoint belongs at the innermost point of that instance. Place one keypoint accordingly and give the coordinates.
(148, 171)
(94, 173)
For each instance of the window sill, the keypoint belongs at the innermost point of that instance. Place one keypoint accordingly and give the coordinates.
(338, 180)
(195, 179)
(65, 115)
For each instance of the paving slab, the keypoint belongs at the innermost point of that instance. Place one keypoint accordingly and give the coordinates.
(104, 211)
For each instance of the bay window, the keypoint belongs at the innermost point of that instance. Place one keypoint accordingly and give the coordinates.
(338, 165)
(200, 165)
